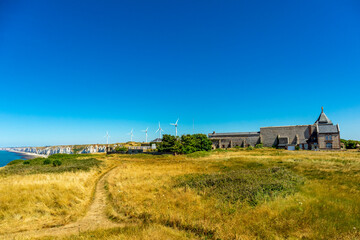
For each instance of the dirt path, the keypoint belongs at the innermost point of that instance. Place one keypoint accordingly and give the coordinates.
(95, 218)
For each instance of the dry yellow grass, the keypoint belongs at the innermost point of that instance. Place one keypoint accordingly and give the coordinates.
(148, 232)
(144, 195)
(327, 205)
(45, 200)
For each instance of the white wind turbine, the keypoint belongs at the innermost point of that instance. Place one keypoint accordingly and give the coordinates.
(175, 124)
(146, 131)
(107, 136)
(131, 134)
(159, 130)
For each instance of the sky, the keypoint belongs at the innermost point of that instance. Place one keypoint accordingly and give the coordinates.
(72, 70)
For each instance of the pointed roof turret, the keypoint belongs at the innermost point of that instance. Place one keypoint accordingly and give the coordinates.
(323, 119)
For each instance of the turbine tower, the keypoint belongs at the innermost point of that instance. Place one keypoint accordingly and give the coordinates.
(159, 130)
(146, 130)
(107, 137)
(131, 135)
(175, 124)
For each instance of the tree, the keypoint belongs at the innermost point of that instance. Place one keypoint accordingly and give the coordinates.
(186, 144)
(350, 144)
(121, 149)
(196, 142)
(170, 143)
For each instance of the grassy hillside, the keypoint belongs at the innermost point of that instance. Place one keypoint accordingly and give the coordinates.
(238, 194)
(69, 163)
(36, 195)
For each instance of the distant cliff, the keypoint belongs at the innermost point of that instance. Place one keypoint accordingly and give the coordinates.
(47, 151)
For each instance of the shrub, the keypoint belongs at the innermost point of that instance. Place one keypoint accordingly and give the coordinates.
(47, 161)
(297, 148)
(121, 149)
(69, 163)
(252, 186)
(26, 162)
(259, 145)
(57, 163)
(250, 147)
(17, 161)
(350, 144)
(186, 144)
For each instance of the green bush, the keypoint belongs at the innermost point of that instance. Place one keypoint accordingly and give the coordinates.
(297, 148)
(70, 163)
(350, 144)
(186, 144)
(121, 149)
(250, 147)
(251, 186)
(259, 145)
(26, 162)
(57, 163)
(17, 161)
(198, 154)
(47, 161)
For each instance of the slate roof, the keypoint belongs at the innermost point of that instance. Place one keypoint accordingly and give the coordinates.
(328, 129)
(157, 140)
(234, 134)
(323, 119)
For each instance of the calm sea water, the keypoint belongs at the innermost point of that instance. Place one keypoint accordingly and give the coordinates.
(6, 157)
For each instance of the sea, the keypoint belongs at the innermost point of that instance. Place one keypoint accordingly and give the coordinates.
(6, 157)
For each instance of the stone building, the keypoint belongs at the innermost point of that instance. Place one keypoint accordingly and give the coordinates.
(322, 135)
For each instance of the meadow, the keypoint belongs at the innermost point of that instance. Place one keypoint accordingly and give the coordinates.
(240, 194)
(233, 194)
(35, 195)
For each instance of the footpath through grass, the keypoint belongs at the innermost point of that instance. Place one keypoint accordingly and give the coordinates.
(34, 194)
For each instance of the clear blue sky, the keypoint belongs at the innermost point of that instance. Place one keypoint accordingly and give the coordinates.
(70, 70)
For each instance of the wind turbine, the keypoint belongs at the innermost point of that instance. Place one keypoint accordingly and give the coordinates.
(175, 124)
(146, 130)
(131, 134)
(107, 137)
(159, 130)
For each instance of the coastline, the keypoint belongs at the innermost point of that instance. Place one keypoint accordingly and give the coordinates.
(27, 155)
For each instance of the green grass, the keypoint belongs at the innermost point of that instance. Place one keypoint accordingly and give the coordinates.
(70, 163)
(251, 186)
(17, 161)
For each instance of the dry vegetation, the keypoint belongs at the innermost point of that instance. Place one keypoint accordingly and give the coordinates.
(319, 198)
(34, 195)
(237, 194)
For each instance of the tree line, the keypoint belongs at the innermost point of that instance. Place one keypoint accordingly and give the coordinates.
(185, 144)
(350, 144)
